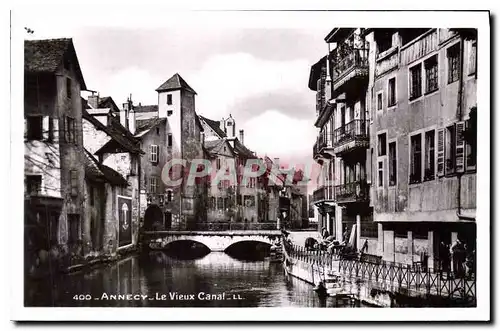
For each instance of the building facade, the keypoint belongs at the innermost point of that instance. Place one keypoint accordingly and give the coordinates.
(397, 130)
(53, 163)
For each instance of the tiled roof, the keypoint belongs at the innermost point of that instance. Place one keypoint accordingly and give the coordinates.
(100, 172)
(143, 126)
(175, 82)
(214, 147)
(241, 149)
(108, 102)
(214, 125)
(118, 134)
(45, 56)
(146, 109)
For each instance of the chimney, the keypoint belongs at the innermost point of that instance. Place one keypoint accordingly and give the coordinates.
(93, 100)
(241, 137)
(131, 121)
(127, 106)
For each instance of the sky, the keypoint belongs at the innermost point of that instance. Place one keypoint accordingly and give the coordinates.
(256, 73)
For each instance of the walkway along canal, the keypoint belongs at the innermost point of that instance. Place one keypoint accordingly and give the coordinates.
(382, 284)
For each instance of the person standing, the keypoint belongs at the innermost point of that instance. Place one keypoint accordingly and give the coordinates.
(444, 259)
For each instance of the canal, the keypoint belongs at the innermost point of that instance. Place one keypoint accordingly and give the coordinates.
(159, 279)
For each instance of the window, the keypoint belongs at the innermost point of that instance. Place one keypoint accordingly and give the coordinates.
(34, 127)
(416, 81)
(470, 145)
(169, 99)
(473, 57)
(429, 155)
(68, 88)
(73, 175)
(153, 153)
(34, 184)
(169, 196)
(153, 184)
(392, 163)
(379, 101)
(380, 174)
(391, 92)
(158, 131)
(382, 142)
(431, 74)
(74, 228)
(70, 130)
(416, 159)
(449, 141)
(218, 164)
(169, 140)
(453, 54)
(170, 112)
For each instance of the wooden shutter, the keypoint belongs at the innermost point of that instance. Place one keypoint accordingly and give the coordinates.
(440, 152)
(460, 147)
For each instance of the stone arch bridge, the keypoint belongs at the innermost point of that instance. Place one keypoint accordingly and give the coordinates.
(216, 241)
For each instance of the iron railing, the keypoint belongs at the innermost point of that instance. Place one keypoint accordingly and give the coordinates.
(410, 279)
(355, 129)
(355, 191)
(323, 140)
(355, 58)
(326, 192)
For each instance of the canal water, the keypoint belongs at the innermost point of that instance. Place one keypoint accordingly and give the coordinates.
(158, 279)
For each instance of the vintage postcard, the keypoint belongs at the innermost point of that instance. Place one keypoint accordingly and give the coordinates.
(199, 165)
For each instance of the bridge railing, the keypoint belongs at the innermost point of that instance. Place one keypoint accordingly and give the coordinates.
(230, 226)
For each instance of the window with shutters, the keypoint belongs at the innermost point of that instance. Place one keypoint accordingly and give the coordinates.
(382, 144)
(73, 174)
(416, 81)
(449, 150)
(34, 127)
(416, 159)
(153, 184)
(431, 74)
(153, 153)
(392, 164)
(453, 54)
(169, 140)
(34, 184)
(429, 155)
(391, 92)
(380, 174)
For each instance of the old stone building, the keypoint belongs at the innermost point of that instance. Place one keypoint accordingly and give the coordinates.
(53, 162)
(112, 180)
(168, 131)
(397, 129)
(423, 138)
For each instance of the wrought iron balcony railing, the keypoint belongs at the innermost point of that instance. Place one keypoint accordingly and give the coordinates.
(355, 129)
(323, 193)
(352, 192)
(324, 140)
(356, 58)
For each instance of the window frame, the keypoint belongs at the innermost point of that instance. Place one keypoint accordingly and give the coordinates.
(154, 153)
(380, 152)
(169, 140)
(169, 99)
(411, 94)
(412, 176)
(73, 180)
(153, 184)
(434, 59)
(381, 95)
(395, 101)
(30, 136)
(453, 63)
(380, 173)
(392, 163)
(30, 179)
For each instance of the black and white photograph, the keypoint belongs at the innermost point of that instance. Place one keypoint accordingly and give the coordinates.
(214, 160)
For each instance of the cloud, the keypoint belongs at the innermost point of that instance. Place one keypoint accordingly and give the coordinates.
(226, 79)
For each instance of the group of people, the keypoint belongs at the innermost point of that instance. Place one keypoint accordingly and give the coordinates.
(458, 255)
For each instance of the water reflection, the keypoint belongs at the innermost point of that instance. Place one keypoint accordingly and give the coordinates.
(160, 280)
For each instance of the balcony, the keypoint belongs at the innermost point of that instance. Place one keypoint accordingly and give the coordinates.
(323, 143)
(352, 192)
(353, 135)
(350, 69)
(324, 194)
